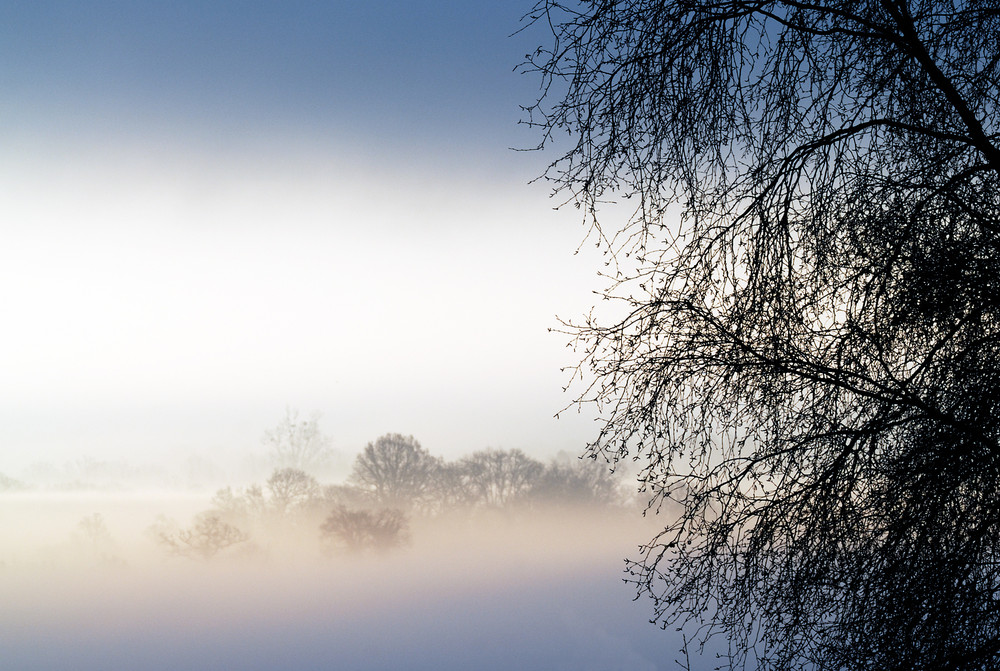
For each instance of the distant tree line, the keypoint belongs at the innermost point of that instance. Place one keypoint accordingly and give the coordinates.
(8, 484)
(396, 472)
(393, 479)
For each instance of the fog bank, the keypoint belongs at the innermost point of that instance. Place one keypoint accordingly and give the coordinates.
(526, 591)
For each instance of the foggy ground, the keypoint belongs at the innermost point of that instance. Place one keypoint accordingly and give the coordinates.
(527, 590)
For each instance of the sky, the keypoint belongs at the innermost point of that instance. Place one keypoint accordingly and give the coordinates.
(214, 211)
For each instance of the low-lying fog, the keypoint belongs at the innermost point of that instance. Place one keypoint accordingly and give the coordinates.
(475, 572)
(522, 592)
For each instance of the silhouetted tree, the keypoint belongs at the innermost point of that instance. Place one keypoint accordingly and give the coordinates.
(396, 472)
(298, 444)
(499, 477)
(808, 360)
(358, 529)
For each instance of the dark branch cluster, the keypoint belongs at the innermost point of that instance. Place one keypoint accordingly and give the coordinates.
(809, 363)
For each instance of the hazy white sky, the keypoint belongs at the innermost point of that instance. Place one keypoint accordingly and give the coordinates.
(211, 214)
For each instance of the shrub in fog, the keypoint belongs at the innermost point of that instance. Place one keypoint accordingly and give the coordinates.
(205, 539)
(357, 530)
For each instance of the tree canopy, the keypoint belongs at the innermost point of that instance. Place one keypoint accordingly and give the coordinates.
(396, 471)
(808, 366)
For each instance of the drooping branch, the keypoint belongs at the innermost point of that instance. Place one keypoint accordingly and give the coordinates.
(808, 360)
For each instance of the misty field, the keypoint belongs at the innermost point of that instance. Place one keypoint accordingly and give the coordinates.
(528, 589)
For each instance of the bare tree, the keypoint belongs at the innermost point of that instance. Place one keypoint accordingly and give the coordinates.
(451, 490)
(298, 444)
(808, 363)
(396, 472)
(499, 477)
(577, 482)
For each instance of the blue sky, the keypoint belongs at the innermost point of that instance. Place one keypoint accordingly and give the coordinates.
(436, 75)
(214, 210)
